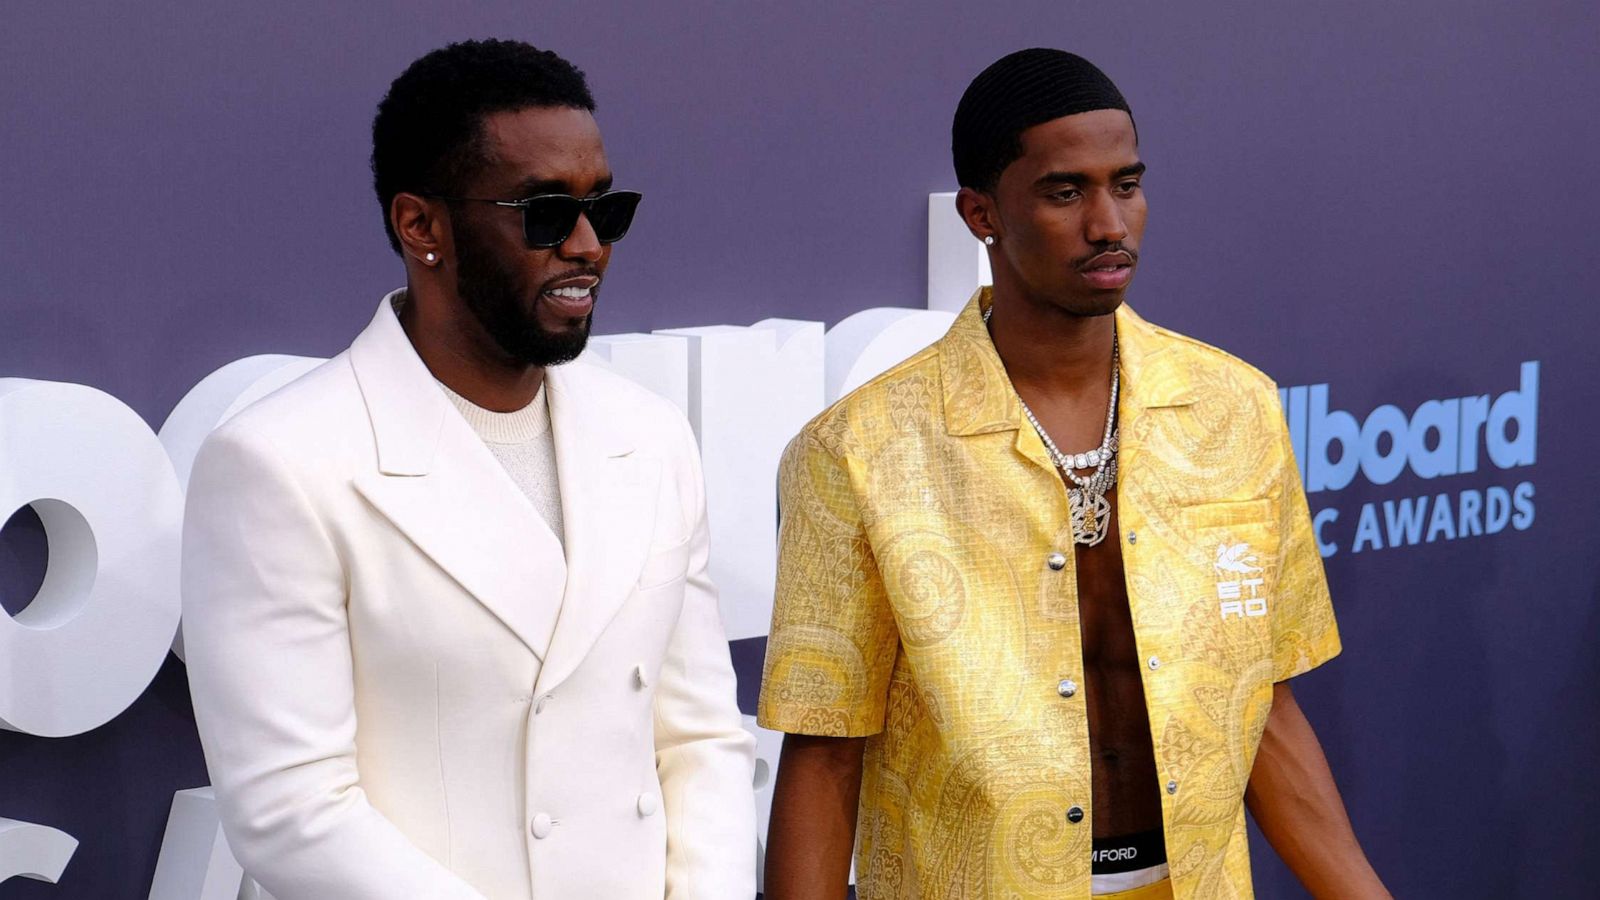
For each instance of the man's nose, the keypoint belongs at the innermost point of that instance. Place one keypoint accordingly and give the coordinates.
(1105, 224)
(581, 244)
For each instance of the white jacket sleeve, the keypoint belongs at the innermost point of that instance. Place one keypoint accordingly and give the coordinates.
(704, 757)
(267, 644)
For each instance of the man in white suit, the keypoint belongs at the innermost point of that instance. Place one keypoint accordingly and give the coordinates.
(448, 624)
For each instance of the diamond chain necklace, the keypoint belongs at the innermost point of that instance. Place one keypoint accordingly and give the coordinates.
(1090, 511)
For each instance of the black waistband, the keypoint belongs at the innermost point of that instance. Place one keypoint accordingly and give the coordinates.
(1129, 852)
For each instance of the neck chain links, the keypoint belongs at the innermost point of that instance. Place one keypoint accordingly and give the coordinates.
(1086, 500)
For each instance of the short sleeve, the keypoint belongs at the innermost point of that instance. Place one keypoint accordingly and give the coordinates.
(1304, 632)
(833, 642)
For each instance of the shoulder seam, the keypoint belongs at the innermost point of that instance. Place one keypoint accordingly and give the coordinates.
(840, 405)
(1212, 350)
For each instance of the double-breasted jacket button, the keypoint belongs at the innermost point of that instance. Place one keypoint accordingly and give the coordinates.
(648, 804)
(541, 826)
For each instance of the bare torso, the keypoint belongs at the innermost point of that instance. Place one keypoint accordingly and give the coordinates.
(1126, 797)
(1126, 792)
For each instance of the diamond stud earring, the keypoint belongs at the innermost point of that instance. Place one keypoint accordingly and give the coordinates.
(432, 257)
(988, 240)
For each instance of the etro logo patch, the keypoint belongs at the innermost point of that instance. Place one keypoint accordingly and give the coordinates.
(1238, 593)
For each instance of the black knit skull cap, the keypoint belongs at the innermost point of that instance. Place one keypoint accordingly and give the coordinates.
(1015, 93)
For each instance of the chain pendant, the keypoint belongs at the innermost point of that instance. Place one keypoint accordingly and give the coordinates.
(1091, 515)
(1089, 510)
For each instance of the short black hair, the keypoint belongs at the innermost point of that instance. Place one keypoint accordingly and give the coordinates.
(428, 133)
(1015, 93)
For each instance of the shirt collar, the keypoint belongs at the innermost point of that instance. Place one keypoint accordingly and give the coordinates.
(979, 398)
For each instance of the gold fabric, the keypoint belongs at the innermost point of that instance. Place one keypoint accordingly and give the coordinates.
(1161, 890)
(915, 605)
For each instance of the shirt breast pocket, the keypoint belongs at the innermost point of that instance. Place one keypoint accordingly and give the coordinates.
(665, 566)
(1233, 571)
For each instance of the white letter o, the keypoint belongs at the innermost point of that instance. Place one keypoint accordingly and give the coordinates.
(93, 637)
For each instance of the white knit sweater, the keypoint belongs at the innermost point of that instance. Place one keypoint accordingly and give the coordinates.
(524, 444)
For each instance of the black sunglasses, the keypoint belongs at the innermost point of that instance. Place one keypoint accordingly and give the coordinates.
(548, 219)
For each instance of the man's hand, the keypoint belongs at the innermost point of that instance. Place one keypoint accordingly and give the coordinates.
(1297, 805)
(813, 826)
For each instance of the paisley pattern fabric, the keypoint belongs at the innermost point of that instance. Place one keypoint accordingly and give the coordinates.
(915, 605)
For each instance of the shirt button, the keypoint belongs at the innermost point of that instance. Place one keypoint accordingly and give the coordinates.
(541, 826)
(1066, 687)
(1155, 662)
(1075, 815)
(1172, 787)
(1133, 537)
(1056, 561)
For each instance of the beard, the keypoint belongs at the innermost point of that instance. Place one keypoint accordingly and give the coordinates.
(494, 291)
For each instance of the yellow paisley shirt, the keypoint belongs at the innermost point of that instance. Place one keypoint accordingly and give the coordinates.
(915, 605)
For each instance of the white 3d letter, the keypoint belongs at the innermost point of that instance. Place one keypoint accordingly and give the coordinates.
(750, 390)
(195, 862)
(957, 263)
(873, 341)
(34, 851)
(655, 361)
(99, 628)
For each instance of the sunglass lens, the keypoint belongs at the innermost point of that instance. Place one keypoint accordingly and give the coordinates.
(611, 215)
(547, 221)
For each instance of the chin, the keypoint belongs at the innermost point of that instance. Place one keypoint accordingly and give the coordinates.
(1091, 307)
(575, 329)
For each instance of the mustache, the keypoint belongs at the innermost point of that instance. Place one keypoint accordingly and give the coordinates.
(1117, 247)
(577, 272)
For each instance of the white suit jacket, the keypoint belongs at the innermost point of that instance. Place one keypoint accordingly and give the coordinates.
(406, 689)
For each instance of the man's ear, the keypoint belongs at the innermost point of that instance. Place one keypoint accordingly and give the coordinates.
(423, 227)
(977, 210)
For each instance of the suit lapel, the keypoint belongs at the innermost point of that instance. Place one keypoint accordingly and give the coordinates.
(608, 499)
(438, 483)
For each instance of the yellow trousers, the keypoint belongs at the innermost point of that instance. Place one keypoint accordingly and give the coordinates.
(1161, 890)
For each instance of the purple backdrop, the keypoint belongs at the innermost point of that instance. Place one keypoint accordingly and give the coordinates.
(1394, 199)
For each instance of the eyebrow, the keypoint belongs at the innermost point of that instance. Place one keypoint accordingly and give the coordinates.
(1079, 178)
(535, 186)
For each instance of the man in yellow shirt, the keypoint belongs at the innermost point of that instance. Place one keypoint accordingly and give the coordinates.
(1042, 585)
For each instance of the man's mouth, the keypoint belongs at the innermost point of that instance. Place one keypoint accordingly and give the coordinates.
(572, 297)
(1108, 271)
